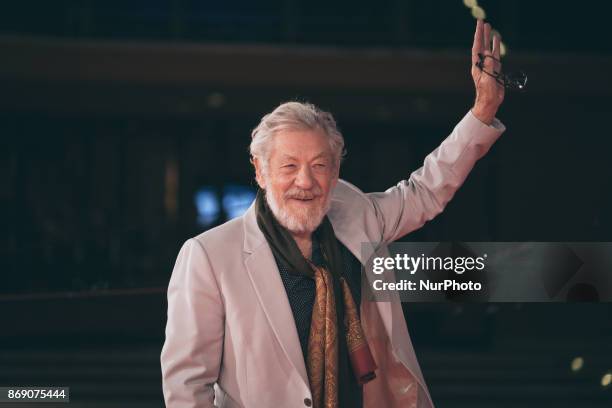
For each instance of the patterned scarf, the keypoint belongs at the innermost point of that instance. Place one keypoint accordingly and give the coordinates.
(333, 303)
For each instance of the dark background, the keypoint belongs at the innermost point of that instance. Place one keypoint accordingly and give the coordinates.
(113, 114)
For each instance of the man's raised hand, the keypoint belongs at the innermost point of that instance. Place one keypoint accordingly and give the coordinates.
(489, 92)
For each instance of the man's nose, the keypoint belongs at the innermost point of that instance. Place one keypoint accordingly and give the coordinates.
(304, 179)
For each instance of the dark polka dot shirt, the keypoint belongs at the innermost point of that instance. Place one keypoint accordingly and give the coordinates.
(301, 293)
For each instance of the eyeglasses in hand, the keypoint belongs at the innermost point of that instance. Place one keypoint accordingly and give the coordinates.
(512, 81)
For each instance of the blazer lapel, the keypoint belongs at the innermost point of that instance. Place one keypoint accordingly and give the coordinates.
(265, 277)
(356, 241)
(353, 236)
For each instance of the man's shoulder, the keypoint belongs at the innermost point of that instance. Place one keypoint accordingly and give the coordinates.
(353, 214)
(223, 236)
(347, 195)
(345, 188)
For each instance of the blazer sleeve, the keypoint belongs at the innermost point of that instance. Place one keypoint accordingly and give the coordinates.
(408, 205)
(191, 355)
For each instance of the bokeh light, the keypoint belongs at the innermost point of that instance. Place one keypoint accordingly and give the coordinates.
(606, 380)
(577, 364)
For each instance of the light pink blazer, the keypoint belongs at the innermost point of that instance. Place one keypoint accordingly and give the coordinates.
(231, 339)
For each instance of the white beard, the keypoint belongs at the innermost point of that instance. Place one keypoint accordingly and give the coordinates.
(301, 220)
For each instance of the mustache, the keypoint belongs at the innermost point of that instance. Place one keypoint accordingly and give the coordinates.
(303, 194)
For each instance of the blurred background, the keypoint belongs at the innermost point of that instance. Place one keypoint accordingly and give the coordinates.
(124, 129)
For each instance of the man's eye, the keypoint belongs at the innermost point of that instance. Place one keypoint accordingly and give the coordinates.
(319, 165)
(288, 166)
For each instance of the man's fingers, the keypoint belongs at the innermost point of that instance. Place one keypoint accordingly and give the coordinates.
(496, 46)
(491, 64)
(486, 42)
(477, 47)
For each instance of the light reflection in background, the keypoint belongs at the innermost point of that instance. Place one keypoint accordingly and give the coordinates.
(236, 200)
(214, 208)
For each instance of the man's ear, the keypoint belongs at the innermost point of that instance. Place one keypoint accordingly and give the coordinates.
(259, 172)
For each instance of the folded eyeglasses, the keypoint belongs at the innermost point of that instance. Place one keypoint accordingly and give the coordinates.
(513, 81)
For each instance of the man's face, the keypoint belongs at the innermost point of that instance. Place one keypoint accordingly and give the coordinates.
(300, 177)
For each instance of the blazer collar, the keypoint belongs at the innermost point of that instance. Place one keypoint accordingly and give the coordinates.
(253, 237)
(265, 278)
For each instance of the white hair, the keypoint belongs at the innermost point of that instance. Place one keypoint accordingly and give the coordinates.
(295, 116)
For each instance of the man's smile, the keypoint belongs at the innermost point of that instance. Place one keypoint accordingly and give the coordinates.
(303, 200)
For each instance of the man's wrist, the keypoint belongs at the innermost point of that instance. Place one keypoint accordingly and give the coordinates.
(484, 113)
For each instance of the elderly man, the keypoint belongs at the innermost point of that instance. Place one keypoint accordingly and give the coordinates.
(266, 309)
